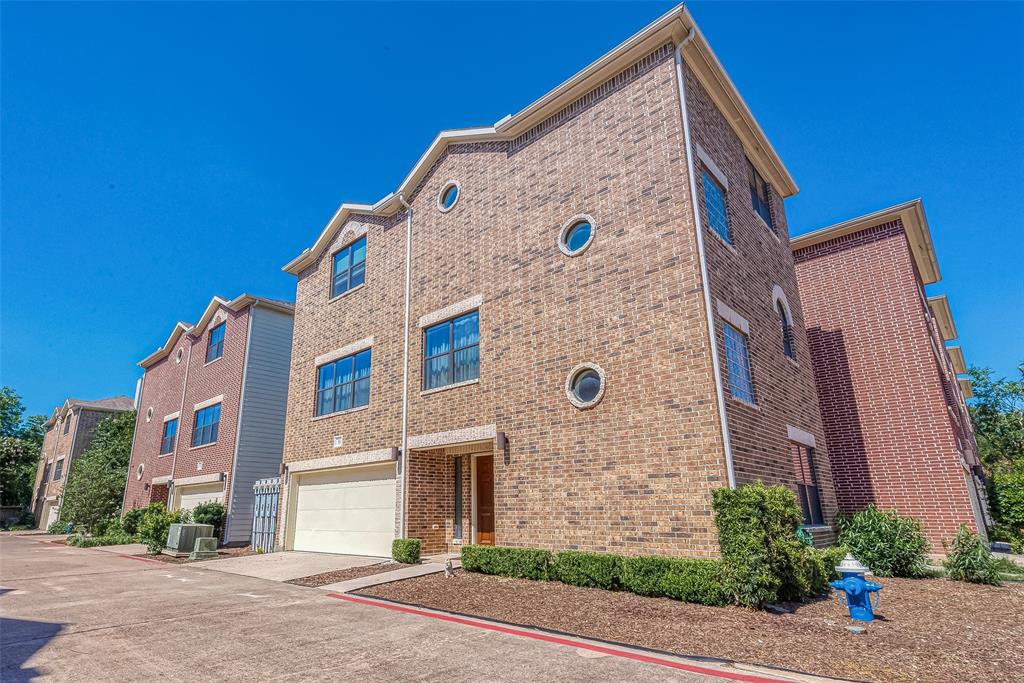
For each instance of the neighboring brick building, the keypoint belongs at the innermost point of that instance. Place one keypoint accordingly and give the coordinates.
(897, 427)
(211, 411)
(535, 367)
(69, 432)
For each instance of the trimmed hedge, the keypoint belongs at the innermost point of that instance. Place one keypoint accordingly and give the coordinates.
(700, 581)
(406, 550)
(588, 570)
(517, 563)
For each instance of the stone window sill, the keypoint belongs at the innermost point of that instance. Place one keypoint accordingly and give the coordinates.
(346, 293)
(348, 411)
(446, 387)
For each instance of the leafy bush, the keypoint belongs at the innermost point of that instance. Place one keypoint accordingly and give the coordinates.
(704, 582)
(130, 520)
(589, 570)
(518, 563)
(155, 524)
(83, 541)
(95, 485)
(820, 564)
(1007, 495)
(406, 550)
(890, 545)
(209, 513)
(763, 558)
(971, 559)
(57, 527)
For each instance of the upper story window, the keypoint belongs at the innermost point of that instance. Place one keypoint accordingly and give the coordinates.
(714, 202)
(169, 436)
(737, 356)
(215, 345)
(451, 351)
(58, 469)
(67, 423)
(349, 270)
(807, 483)
(787, 330)
(760, 195)
(46, 473)
(206, 425)
(448, 195)
(576, 235)
(343, 384)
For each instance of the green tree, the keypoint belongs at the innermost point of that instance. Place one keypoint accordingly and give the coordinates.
(21, 439)
(95, 486)
(997, 412)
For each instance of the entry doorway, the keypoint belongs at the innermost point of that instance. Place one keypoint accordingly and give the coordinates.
(484, 502)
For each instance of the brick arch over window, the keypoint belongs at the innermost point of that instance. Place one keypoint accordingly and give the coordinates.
(780, 304)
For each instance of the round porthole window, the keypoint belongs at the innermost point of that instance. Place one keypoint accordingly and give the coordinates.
(177, 358)
(139, 470)
(448, 196)
(576, 235)
(149, 414)
(584, 387)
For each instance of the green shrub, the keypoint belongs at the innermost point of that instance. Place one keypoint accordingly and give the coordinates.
(518, 563)
(704, 582)
(130, 520)
(57, 527)
(155, 524)
(209, 513)
(83, 541)
(1007, 496)
(890, 545)
(406, 550)
(820, 564)
(763, 558)
(589, 570)
(970, 559)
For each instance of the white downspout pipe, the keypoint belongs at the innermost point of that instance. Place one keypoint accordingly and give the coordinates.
(715, 361)
(403, 457)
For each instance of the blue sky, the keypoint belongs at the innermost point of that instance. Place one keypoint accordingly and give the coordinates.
(154, 155)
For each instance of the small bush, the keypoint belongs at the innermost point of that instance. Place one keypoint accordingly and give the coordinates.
(406, 550)
(130, 520)
(518, 563)
(155, 524)
(970, 559)
(82, 541)
(890, 545)
(588, 570)
(1007, 496)
(57, 527)
(704, 582)
(821, 567)
(209, 513)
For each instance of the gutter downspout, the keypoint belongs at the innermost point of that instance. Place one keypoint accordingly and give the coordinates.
(715, 361)
(403, 458)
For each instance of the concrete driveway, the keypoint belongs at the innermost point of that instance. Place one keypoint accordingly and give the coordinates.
(289, 565)
(82, 615)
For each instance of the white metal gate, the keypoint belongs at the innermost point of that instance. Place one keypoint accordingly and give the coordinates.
(264, 513)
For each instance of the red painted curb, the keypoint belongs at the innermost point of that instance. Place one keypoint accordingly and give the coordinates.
(649, 659)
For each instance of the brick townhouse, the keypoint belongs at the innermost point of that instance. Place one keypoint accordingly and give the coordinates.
(564, 330)
(897, 427)
(211, 411)
(69, 432)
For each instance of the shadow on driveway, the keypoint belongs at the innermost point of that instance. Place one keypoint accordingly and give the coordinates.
(19, 640)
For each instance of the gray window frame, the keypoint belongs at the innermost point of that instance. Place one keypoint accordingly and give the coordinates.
(352, 266)
(212, 428)
(164, 448)
(451, 352)
(709, 181)
(215, 349)
(741, 384)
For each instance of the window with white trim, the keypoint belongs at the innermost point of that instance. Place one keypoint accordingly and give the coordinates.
(716, 207)
(786, 326)
(215, 344)
(737, 355)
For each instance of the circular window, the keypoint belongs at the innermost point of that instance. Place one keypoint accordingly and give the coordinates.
(448, 196)
(139, 470)
(576, 235)
(149, 414)
(177, 358)
(585, 385)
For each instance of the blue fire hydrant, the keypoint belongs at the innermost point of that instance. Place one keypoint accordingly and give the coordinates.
(856, 590)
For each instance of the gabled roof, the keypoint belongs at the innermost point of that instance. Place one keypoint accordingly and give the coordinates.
(236, 304)
(672, 27)
(939, 306)
(114, 404)
(915, 224)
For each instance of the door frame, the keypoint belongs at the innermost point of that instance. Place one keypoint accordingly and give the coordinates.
(474, 498)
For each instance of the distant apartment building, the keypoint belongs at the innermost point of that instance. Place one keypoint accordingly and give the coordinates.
(211, 411)
(69, 432)
(892, 399)
(563, 331)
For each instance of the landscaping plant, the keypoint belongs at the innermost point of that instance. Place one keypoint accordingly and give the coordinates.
(970, 559)
(588, 570)
(57, 527)
(155, 524)
(209, 513)
(406, 550)
(518, 563)
(95, 485)
(890, 545)
(131, 519)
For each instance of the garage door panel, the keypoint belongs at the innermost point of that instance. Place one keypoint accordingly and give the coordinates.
(191, 496)
(346, 511)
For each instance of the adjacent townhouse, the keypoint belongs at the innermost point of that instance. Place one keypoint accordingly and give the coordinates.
(69, 432)
(563, 331)
(891, 395)
(211, 411)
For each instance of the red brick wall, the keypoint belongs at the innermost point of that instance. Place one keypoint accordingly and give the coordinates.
(886, 418)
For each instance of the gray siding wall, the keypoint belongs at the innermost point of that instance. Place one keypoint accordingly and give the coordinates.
(261, 424)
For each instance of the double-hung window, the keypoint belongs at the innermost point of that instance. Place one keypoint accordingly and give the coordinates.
(215, 345)
(67, 423)
(760, 195)
(170, 433)
(58, 469)
(451, 351)
(343, 384)
(349, 269)
(737, 356)
(807, 483)
(714, 203)
(206, 425)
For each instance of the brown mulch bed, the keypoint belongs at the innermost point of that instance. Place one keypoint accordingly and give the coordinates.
(926, 630)
(222, 553)
(317, 580)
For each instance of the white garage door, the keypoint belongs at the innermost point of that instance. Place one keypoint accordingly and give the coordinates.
(349, 511)
(190, 496)
(50, 515)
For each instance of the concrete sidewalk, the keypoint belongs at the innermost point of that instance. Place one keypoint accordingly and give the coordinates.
(387, 577)
(288, 565)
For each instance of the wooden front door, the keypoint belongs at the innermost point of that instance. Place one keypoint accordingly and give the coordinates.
(485, 500)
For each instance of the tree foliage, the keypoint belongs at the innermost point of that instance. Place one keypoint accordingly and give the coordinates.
(21, 439)
(997, 412)
(95, 486)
